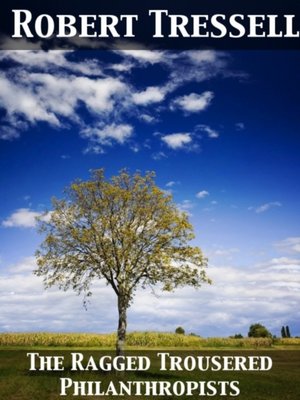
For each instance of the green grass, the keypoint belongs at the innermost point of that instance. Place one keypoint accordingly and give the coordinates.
(18, 383)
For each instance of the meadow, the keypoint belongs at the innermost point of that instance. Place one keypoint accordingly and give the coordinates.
(17, 382)
(147, 340)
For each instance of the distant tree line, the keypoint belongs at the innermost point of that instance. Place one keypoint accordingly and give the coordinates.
(255, 330)
(259, 330)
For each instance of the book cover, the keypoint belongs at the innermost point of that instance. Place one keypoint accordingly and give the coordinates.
(150, 200)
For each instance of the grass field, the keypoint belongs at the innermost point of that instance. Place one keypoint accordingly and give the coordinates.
(281, 382)
(18, 383)
(145, 340)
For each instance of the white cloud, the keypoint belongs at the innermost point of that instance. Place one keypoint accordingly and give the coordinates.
(28, 307)
(186, 205)
(240, 126)
(109, 134)
(159, 155)
(24, 218)
(267, 293)
(9, 132)
(211, 133)
(53, 86)
(265, 207)
(43, 97)
(203, 56)
(177, 141)
(50, 59)
(172, 183)
(197, 66)
(7, 43)
(144, 56)
(99, 95)
(202, 194)
(193, 102)
(18, 99)
(148, 96)
(149, 119)
(25, 266)
(223, 252)
(289, 245)
(282, 263)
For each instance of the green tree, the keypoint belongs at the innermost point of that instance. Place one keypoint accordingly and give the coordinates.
(124, 230)
(258, 330)
(287, 330)
(179, 330)
(238, 336)
(283, 332)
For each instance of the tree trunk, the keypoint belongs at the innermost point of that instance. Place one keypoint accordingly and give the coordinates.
(121, 334)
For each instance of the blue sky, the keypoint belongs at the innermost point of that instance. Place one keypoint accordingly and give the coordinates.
(221, 131)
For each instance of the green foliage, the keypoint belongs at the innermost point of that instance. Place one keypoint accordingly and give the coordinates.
(125, 230)
(179, 330)
(285, 332)
(258, 330)
(238, 336)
